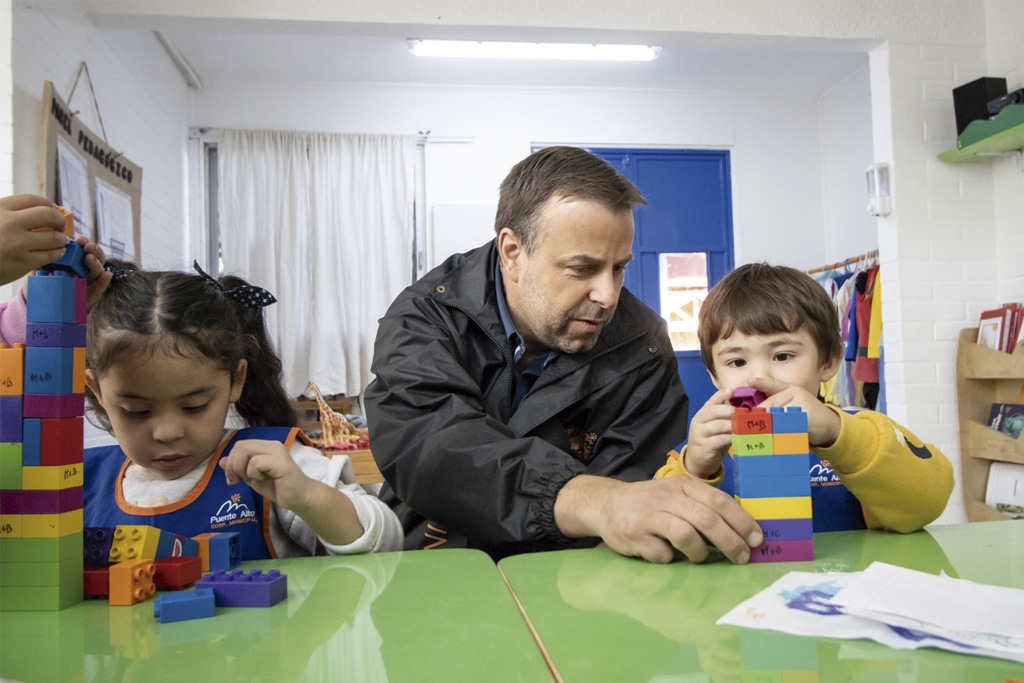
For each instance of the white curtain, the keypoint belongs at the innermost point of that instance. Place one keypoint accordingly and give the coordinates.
(324, 221)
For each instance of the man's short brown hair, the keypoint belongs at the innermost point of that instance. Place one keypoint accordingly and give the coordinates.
(563, 172)
(760, 299)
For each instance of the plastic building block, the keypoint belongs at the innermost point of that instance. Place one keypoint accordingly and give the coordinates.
(787, 529)
(238, 589)
(131, 582)
(219, 550)
(791, 444)
(49, 370)
(51, 526)
(51, 298)
(777, 508)
(31, 441)
(67, 335)
(197, 604)
(10, 419)
(10, 466)
(69, 222)
(40, 549)
(752, 444)
(51, 501)
(134, 542)
(51, 477)
(791, 420)
(177, 572)
(773, 487)
(783, 551)
(78, 371)
(747, 397)
(41, 598)
(61, 441)
(96, 582)
(96, 545)
(775, 466)
(10, 526)
(50, 405)
(72, 261)
(751, 421)
(12, 369)
(41, 573)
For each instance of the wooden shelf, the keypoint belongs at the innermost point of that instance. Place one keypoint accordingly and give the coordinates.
(981, 139)
(984, 376)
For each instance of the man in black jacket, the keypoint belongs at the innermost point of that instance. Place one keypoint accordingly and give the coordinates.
(523, 400)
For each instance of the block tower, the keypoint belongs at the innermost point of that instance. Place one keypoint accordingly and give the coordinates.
(42, 388)
(771, 480)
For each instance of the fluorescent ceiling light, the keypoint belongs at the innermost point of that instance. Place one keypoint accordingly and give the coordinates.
(504, 50)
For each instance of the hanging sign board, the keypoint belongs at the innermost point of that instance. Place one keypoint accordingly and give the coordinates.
(81, 172)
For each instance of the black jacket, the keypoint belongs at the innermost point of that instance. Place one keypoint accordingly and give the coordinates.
(461, 468)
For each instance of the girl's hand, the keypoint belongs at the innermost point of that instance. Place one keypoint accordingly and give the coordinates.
(822, 423)
(97, 279)
(268, 468)
(710, 435)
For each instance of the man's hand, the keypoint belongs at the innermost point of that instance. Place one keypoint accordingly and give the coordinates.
(655, 519)
(710, 435)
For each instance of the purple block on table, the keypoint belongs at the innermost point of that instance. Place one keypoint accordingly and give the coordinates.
(238, 589)
(67, 335)
(197, 604)
(41, 502)
(783, 551)
(10, 419)
(53, 405)
(96, 545)
(787, 529)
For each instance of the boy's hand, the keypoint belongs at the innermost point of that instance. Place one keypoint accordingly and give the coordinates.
(268, 468)
(822, 423)
(22, 249)
(710, 435)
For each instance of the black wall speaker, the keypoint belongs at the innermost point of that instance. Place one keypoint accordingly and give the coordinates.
(970, 101)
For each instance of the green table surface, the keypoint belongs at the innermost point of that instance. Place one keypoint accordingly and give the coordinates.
(407, 616)
(604, 617)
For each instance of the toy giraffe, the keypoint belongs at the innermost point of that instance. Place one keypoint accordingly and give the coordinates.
(334, 428)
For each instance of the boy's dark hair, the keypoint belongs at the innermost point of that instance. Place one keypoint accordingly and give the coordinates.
(561, 171)
(190, 316)
(758, 298)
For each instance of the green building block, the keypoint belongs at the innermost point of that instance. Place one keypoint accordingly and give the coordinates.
(41, 573)
(35, 598)
(752, 444)
(41, 549)
(10, 466)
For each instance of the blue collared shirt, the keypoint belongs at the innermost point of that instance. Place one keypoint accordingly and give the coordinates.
(529, 375)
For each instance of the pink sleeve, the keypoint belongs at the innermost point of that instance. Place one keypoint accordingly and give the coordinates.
(12, 320)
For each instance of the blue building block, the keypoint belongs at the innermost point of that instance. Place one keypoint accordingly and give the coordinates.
(238, 589)
(32, 442)
(10, 419)
(49, 370)
(772, 466)
(55, 334)
(72, 261)
(173, 545)
(225, 551)
(96, 545)
(792, 420)
(50, 298)
(773, 487)
(185, 605)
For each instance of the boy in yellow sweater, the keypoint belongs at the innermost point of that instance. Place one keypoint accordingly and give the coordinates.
(775, 329)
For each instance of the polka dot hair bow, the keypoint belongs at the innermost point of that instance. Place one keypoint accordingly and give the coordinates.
(249, 296)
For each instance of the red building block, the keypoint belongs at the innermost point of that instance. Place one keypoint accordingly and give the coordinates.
(751, 421)
(97, 582)
(60, 441)
(131, 582)
(176, 573)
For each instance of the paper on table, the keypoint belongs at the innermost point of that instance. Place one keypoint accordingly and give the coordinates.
(805, 603)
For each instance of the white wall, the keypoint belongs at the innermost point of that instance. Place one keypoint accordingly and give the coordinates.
(143, 102)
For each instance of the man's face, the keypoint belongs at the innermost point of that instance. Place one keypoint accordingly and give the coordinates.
(563, 294)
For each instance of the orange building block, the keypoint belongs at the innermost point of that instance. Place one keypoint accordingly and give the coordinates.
(12, 370)
(131, 582)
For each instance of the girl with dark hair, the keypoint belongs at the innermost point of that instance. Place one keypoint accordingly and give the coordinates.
(167, 355)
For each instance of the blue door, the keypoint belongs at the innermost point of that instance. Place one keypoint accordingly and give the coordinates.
(683, 234)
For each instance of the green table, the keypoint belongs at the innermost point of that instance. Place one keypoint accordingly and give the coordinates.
(410, 616)
(603, 617)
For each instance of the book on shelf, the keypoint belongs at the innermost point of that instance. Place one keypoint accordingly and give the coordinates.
(1007, 418)
(1005, 489)
(1001, 328)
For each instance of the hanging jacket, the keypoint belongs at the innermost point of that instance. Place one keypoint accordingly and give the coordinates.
(461, 467)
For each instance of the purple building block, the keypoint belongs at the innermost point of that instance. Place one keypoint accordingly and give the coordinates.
(747, 397)
(787, 529)
(67, 335)
(197, 604)
(238, 589)
(96, 545)
(41, 502)
(53, 405)
(783, 551)
(10, 419)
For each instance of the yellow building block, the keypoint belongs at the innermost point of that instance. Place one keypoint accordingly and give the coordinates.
(12, 369)
(791, 444)
(134, 542)
(51, 477)
(78, 371)
(10, 526)
(777, 508)
(51, 526)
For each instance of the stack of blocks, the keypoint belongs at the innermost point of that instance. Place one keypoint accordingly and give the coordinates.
(42, 401)
(771, 456)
